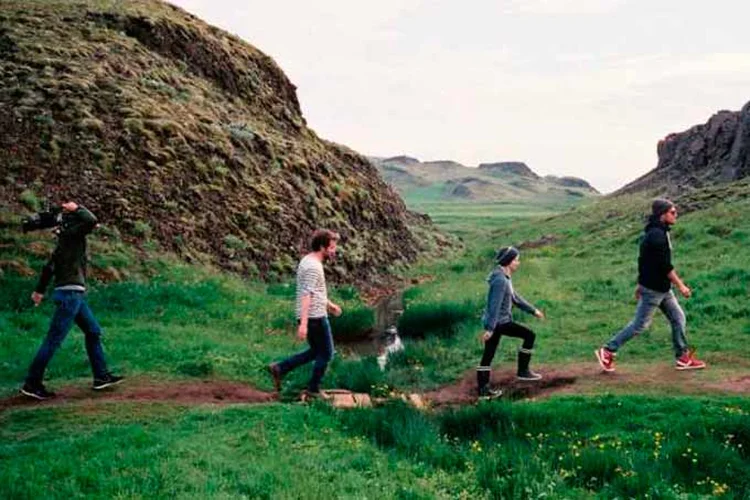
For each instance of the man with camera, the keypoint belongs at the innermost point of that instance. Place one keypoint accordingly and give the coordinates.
(67, 266)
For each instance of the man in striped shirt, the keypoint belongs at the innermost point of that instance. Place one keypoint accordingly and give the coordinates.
(312, 308)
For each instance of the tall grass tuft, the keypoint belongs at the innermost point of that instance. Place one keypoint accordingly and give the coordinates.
(441, 319)
(353, 324)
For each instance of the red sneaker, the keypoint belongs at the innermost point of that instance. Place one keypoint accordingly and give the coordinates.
(688, 362)
(606, 359)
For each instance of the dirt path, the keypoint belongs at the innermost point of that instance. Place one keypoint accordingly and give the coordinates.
(587, 378)
(581, 378)
(144, 390)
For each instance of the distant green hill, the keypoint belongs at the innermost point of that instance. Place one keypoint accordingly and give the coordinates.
(447, 181)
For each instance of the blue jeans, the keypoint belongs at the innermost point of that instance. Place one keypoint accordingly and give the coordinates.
(651, 300)
(71, 306)
(320, 339)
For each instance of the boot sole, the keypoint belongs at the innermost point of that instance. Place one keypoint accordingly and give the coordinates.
(35, 396)
(489, 398)
(528, 379)
(108, 384)
(683, 368)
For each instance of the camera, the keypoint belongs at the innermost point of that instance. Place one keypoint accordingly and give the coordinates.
(47, 219)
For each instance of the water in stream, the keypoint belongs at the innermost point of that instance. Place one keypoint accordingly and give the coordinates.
(384, 339)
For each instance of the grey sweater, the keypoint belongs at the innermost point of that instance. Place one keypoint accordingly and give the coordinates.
(500, 300)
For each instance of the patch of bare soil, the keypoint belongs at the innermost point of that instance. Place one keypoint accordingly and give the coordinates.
(547, 239)
(184, 392)
(465, 390)
(588, 378)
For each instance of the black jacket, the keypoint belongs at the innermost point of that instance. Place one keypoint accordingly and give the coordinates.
(68, 261)
(655, 258)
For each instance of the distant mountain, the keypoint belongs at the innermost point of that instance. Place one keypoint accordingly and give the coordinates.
(499, 181)
(714, 152)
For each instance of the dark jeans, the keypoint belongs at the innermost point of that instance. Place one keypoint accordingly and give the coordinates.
(71, 306)
(509, 330)
(320, 339)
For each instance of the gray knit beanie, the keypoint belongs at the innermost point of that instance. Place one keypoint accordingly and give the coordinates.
(506, 255)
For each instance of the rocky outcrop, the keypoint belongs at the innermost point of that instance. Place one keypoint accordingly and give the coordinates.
(714, 152)
(508, 167)
(442, 164)
(399, 160)
(567, 181)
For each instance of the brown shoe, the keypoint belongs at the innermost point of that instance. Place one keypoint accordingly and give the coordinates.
(275, 372)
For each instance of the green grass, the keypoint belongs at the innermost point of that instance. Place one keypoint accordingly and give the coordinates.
(169, 321)
(572, 447)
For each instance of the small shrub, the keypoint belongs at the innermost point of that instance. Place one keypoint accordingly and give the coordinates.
(141, 229)
(30, 200)
(233, 242)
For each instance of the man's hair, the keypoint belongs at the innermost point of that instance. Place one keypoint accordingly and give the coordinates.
(321, 238)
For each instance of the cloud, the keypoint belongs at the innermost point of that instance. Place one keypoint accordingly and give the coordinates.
(563, 7)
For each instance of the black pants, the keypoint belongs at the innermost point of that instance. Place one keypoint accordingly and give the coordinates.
(509, 330)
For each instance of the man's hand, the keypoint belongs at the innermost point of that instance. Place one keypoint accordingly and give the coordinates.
(485, 336)
(37, 298)
(334, 309)
(70, 206)
(302, 331)
(638, 292)
(539, 314)
(685, 291)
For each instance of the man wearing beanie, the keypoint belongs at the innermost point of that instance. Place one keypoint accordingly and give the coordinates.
(656, 275)
(498, 321)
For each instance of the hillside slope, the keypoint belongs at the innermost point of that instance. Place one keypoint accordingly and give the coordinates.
(174, 131)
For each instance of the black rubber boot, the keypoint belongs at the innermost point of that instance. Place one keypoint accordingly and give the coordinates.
(524, 357)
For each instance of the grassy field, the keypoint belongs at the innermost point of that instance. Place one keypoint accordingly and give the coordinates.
(655, 432)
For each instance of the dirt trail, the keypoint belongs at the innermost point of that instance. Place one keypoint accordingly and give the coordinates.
(581, 378)
(587, 378)
(144, 390)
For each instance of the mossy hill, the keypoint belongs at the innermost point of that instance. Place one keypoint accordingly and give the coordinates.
(450, 181)
(179, 134)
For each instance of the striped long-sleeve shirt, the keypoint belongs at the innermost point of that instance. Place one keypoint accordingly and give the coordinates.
(311, 281)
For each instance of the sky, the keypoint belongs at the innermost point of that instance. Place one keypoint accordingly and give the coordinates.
(570, 87)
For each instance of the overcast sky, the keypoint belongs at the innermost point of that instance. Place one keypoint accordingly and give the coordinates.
(571, 87)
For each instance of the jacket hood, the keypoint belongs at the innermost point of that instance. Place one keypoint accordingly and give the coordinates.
(653, 221)
(496, 273)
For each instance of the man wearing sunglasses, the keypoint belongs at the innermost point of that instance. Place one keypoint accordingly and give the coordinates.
(656, 275)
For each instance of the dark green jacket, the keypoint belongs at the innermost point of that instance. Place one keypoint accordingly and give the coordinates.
(68, 261)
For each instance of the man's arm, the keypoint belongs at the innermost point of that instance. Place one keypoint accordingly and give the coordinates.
(303, 316)
(47, 272)
(682, 287)
(334, 309)
(80, 221)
